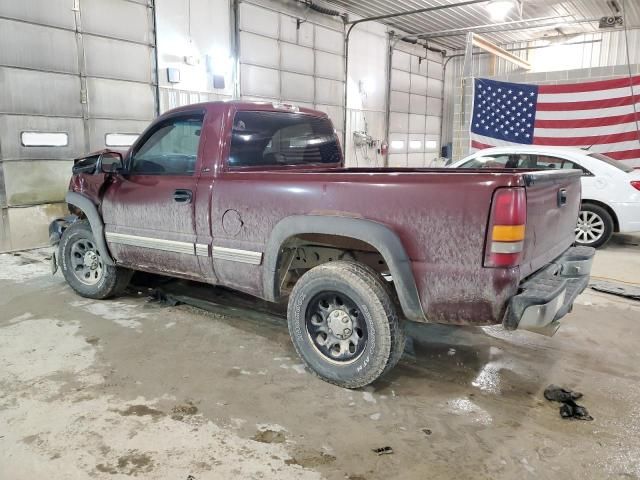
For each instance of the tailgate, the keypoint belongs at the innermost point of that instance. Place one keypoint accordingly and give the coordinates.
(553, 202)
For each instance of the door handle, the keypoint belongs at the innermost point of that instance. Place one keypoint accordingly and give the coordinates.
(183, 196)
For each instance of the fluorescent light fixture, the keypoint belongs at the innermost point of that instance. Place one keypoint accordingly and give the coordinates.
(120, 139)
(44, 139)
(415, 144)
(499, 9)
(430, 145)
(397, 144)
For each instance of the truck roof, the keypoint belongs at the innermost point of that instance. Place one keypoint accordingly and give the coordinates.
(247, 105)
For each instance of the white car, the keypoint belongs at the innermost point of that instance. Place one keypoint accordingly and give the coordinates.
(610, 189)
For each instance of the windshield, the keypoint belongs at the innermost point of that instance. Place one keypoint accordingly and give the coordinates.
(615, 163)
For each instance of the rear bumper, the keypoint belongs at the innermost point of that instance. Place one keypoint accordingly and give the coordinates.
(628, 214)
(548, 295)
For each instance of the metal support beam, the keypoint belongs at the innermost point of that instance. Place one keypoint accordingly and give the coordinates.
(412, 12)
(484, 44)
(481, 29)
(464, 30)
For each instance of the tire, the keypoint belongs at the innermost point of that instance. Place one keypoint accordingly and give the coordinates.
(101, 282)
(594, 227)
(351, 295)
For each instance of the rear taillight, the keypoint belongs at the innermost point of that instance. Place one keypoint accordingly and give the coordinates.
(635, 184)
(505, 236)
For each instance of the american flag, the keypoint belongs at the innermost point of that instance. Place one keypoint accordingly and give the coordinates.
(602, 115)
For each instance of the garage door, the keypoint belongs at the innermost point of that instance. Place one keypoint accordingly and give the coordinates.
(415, 108)
(284, 60)
(77, 75)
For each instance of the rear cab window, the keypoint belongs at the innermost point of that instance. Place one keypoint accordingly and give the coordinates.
(271, 139)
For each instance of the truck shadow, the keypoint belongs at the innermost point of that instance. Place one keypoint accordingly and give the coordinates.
(483, 359)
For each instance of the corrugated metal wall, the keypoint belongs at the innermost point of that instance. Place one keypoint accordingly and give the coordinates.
(72, 71)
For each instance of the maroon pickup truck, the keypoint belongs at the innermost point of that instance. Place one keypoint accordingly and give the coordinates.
(255, 197)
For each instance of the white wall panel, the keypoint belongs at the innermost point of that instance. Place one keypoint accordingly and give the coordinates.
(290, 32)
(417, 104)
(39, 93)
(415, 160)
(433, 125)
(399, 101)
(329, 92)
(259, 20)
(57, 13)
(117, 18)
(296, 58)
(120, 99)
(418, 84)
(336, 114)
(397, 160)
(416, 123)
(401, 61)
(400, 81)
(398, 122)
(434, 88)
(259, 81)
(435, 70)
(33, 46)
(11, 126)
(259, 50)
(434, 106)
(328, 40)
(423, 104)
(104, 59)
(297, 87)
(329, 65)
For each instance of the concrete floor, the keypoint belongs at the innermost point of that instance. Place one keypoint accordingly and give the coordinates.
(128, 387)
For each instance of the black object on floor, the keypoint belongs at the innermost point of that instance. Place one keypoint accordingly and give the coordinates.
(569, 408)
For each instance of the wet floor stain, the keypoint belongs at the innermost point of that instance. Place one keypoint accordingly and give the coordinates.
(141, 411)
(133, 464)
(269, 436)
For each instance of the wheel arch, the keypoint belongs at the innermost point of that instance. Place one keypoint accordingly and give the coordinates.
(610, 211)
(375, 234)
(95, 220)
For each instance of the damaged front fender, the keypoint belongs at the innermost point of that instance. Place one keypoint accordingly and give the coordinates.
(58, 226)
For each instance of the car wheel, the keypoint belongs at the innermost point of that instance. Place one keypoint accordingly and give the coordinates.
(83, 267)
(594, 227)
(343, 324)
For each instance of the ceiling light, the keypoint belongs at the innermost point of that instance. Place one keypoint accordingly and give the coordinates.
(499, 9)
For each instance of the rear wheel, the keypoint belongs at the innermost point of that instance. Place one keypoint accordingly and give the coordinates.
(83, 267)
(594, 227)
(343, 324)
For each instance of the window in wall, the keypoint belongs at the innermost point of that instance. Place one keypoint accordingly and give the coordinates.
(170, 149)
(120, 139)
(44, 139)
(275, 138)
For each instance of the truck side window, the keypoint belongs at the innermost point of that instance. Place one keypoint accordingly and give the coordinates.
(170, 149)
(279, 138)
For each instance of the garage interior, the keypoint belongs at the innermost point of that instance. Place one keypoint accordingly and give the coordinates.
(175, 379)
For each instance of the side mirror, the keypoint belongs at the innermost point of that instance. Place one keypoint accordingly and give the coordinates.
(110, 162)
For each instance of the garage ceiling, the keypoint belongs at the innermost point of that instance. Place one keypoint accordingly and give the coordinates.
(554, 12)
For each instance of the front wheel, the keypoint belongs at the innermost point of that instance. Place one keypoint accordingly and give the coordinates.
(343, 324)
(594, 227)
(83, 267)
